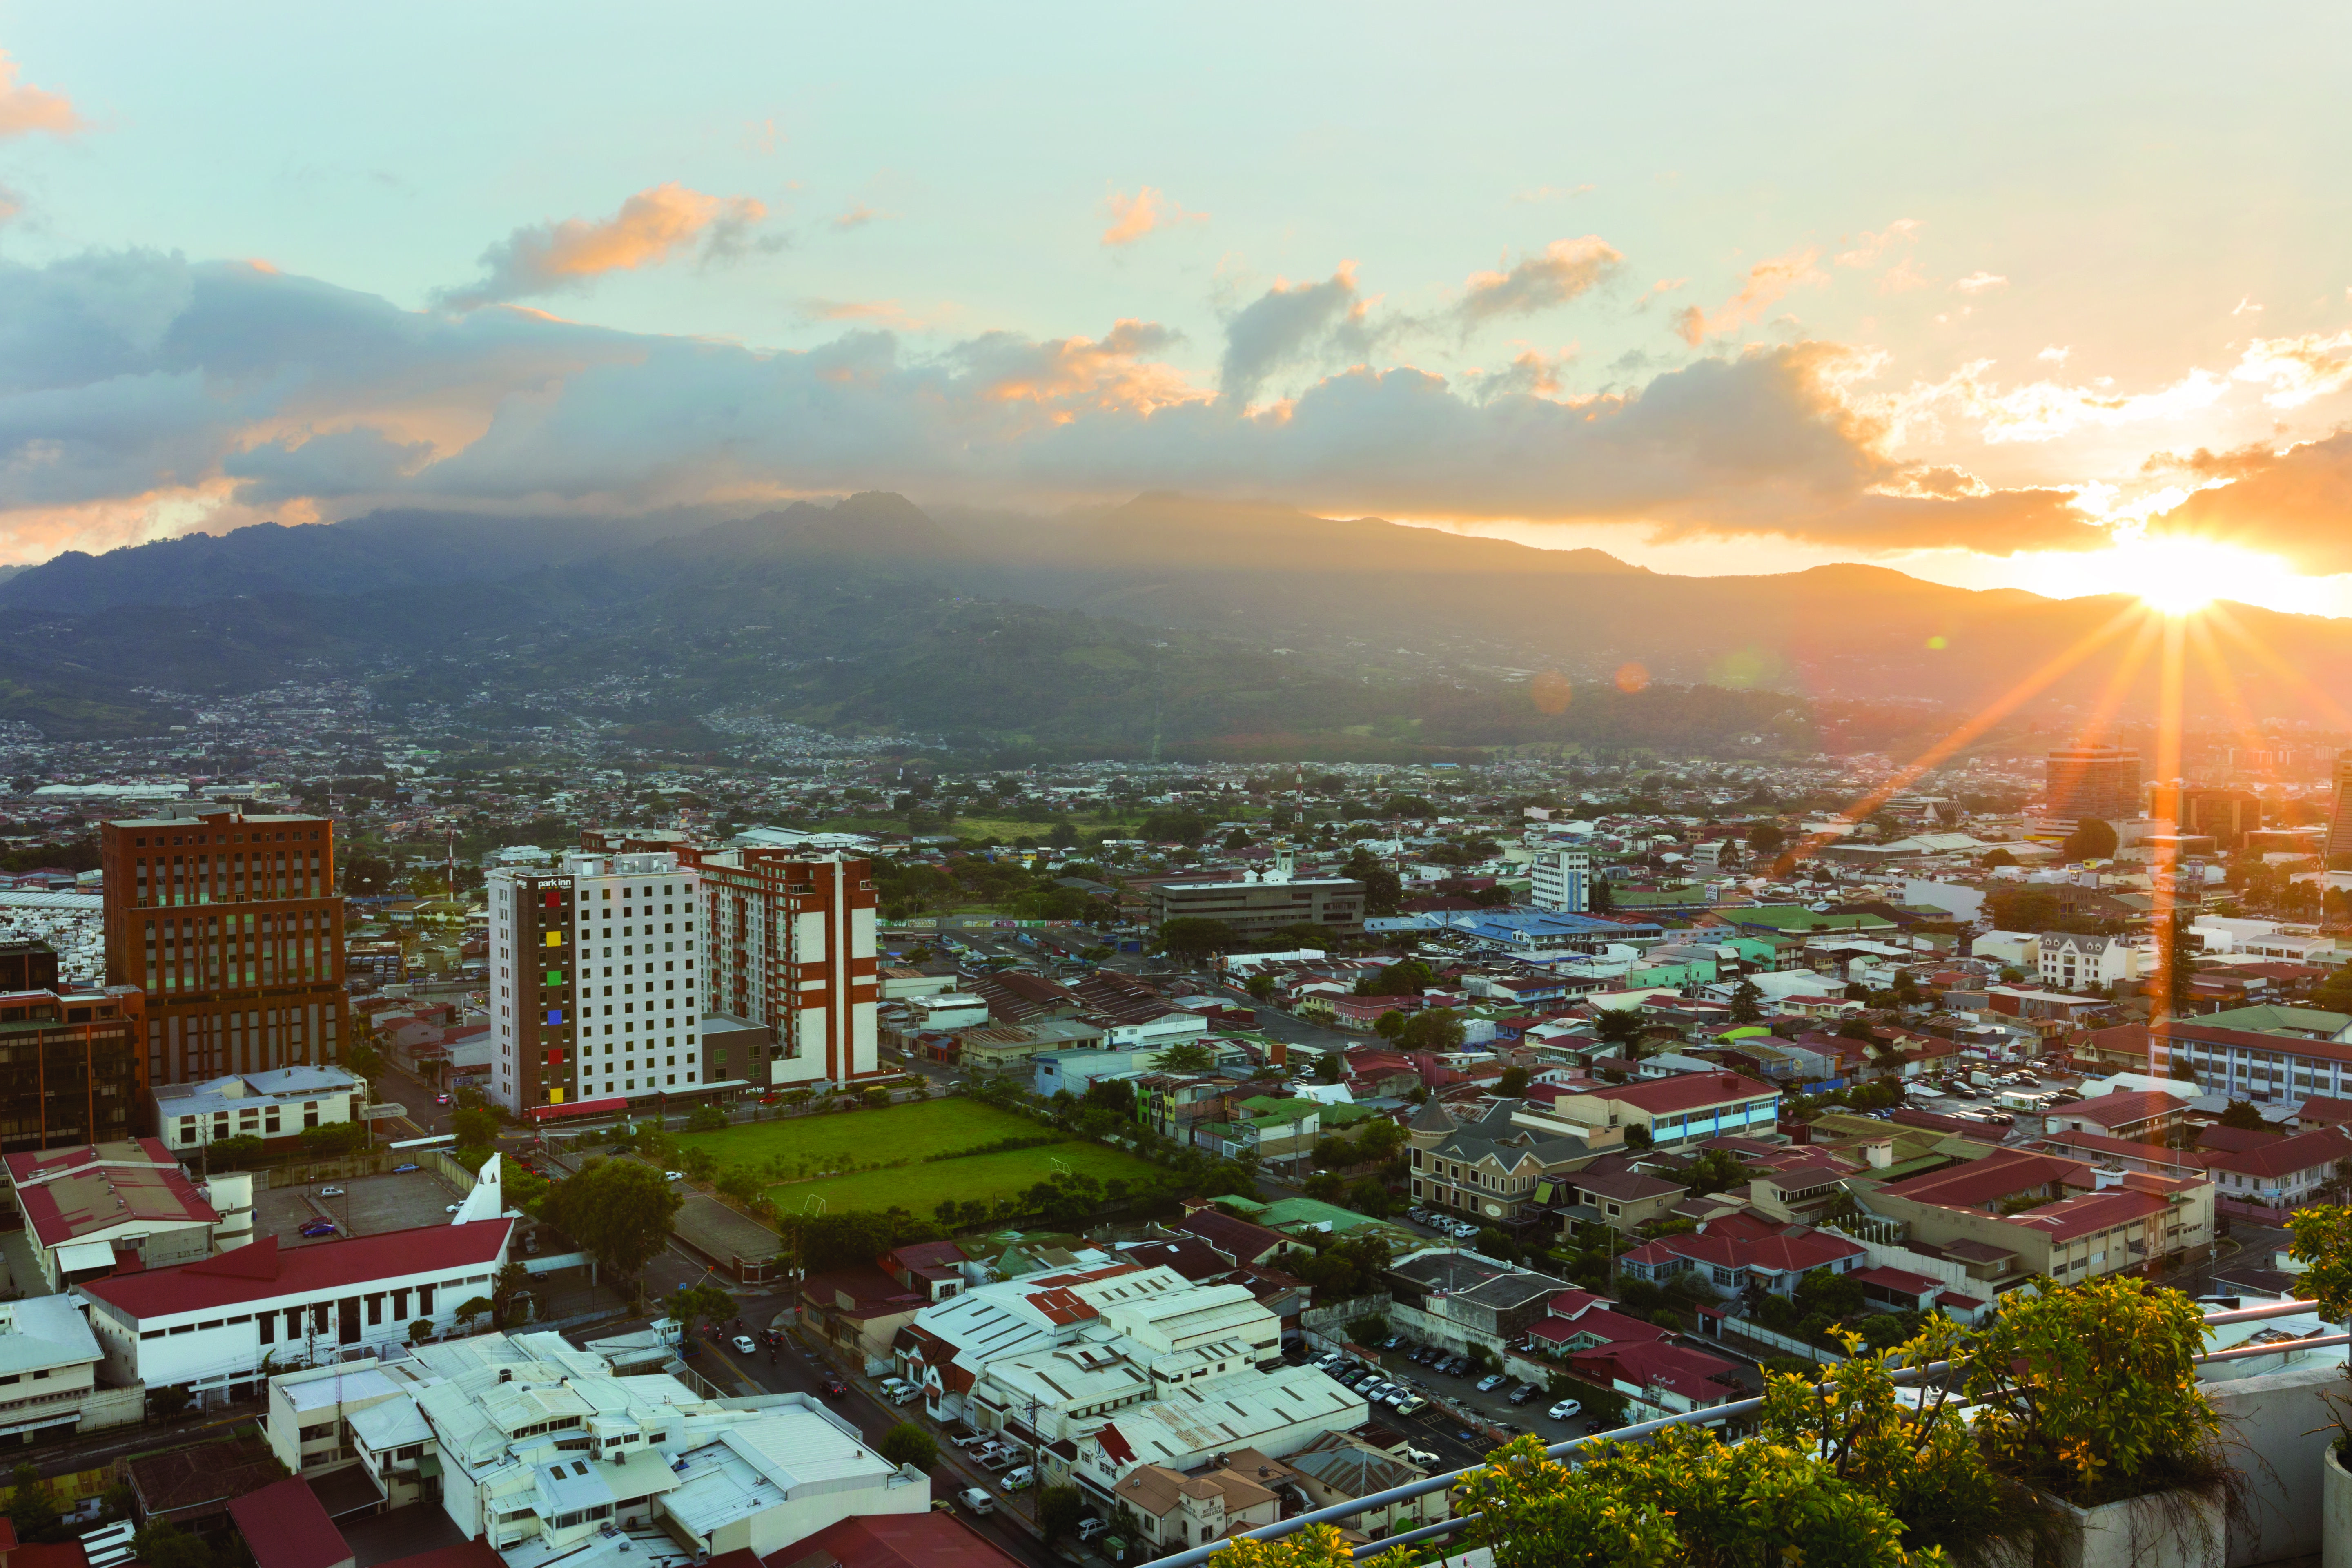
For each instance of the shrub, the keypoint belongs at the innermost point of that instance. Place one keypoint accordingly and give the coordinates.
(908, 1444)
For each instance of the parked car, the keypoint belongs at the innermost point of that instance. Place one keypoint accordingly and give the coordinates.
(1090, 1527)
(331, 1192)
(1411, 1404)
(969, 1439)
(403, 1169)
(673, 1176)
(1019, 1478)
(890, 1386)
(1421, 1457)
(1491, 1382)
(1393, 1341)
(976, 1501)
(1565, 1408)
(1522, 1394)
(319, 1228)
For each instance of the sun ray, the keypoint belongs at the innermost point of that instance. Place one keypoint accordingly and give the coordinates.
(1984, 719)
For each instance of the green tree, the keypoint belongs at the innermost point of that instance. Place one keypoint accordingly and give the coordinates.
(1747, 1003)
(473, 1307)
(1059, 1509)
(33, 1508)
(475, 1128)
(1825, 1294)
(2243, 1115)
(420, 1330)
(695, 1304)
(235, 1153)
(1186, 1056)
(1513, 1083)
(2091, 840)
(332, 1139)
(1192, 939)
(1765, 839)
(1432, 1029)
(165, 1545)
(1261, 988)
(907, 1444)
(707, 1119)
(620, 1211)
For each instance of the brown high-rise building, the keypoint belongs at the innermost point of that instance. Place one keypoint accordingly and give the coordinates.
(2100, 782)
(72, 1059)
(2339, 818)
(2224, 815)
(231, 925)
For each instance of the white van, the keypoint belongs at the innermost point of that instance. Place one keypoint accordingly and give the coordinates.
(976, 1501)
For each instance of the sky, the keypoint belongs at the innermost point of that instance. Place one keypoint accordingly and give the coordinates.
(2053, 298)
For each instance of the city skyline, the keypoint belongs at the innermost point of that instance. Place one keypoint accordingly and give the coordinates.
(1886, 289)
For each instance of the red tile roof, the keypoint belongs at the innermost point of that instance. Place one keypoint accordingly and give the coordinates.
(1697, 1376)
(2285, 1156)
(2125, 1109)
(233, 1277)
(1683, 1091)
(1981, 1183)
(1901, 1281)
(893, 1540)
(287, 1527)
(67, 1193)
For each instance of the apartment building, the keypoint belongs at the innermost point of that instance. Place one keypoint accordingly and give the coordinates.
(2071, 961)
(231, 925)
(211, 1325)
(2254, 1065)
(275, 1107)
(1561, 880)
(595, 989)
(791, 947)
(1260, 907)
(73, 1061)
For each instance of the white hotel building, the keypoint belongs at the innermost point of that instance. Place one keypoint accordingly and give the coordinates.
(594, 988)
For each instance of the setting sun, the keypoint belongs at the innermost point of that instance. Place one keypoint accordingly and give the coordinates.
(2178, 575)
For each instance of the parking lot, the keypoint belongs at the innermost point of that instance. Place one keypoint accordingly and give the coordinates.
(367, 1205)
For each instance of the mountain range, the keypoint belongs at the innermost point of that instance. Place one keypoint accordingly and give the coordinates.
(1162, 622)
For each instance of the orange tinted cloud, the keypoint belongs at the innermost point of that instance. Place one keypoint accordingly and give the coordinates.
(1132, 217)
(1766, 282)
(25, 110)
(2297, 369)
(651, 227)
(1559, 273)
(2289, 503)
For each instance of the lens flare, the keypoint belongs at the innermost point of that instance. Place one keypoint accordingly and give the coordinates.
(2178, 574)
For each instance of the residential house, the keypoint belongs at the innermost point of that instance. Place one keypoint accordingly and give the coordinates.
(1659, 1379)
(2071, 961)
(275, 1107)
(1672, 1113)
(1491, 1168)
(1462, 1300)
(1339, 1468)
(1170, 1510)
(1742, 1253)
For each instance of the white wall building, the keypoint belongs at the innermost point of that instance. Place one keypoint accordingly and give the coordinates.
(544, 1452)
(208, 1325)
(793, 946)
(1561, 878)
(593, 988)
(85, 1209)
(2074, 962)
(265, 1105)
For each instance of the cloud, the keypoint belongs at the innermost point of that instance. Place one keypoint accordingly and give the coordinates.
(1768, 281)
(2290, 503)
(1560, 272)
(1132, 217)
(2037, 410)
(859, 216)
(24, 109)
(142, 394)
(2298, 369)
(1659, 291)
(881, 312)
(1979, 282)
(1294, 324)
(652, 227)
(1866, 252)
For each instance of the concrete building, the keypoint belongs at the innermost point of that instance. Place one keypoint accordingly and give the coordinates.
(792, 947)
(2100, 782)
(275, 1107)
(1561, 880)
(2071, 961)
(232, 926)
(545, 1453)
(210, 1325)
(49, 1375)
(73, 1060)
(594, 993)
(1675, 1113)
(86, 1210)
(1262, 906)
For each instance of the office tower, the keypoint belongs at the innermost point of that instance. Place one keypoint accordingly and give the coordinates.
(231, 925)
(2224, 815)
(1562, 880)
(595, 990)
(2091, 780)
(2339, 814)
(791, 949)
(71, 1056)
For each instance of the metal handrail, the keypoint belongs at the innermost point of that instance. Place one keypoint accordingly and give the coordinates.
(1338, 1512)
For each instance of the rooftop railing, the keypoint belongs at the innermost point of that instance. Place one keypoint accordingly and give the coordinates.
(1339, 1513)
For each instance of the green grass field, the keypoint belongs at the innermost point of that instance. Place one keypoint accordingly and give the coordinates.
(981, 1178)
(908, 1132)
(930, 1127)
